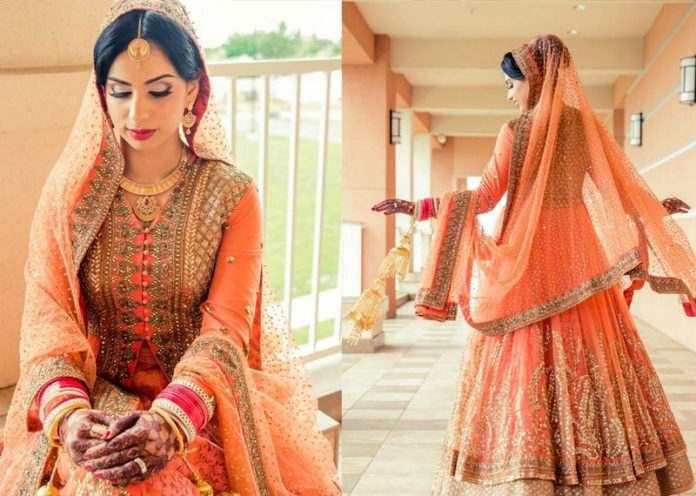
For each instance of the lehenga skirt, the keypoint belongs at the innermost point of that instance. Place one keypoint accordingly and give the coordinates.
(568, 406)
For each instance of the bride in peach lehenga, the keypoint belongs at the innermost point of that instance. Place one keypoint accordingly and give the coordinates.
(556, 394)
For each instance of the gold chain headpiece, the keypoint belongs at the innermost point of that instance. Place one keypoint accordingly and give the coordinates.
(139, 48)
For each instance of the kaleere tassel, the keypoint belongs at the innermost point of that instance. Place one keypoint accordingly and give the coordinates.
(395, 265)
(49, 489)
(204, 489)
(364, 313)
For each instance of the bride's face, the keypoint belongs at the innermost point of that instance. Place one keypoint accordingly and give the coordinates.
(518, 92)
(146, 103)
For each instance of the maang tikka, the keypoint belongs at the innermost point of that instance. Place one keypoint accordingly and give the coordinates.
(139, 48)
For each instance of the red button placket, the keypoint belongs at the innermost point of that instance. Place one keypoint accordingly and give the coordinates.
(145, 281)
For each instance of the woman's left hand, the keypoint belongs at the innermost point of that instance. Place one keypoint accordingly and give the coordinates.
(140, 434)
(675, 206)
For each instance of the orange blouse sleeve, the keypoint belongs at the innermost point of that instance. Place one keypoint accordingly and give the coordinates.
(229, 309)
(495, 175)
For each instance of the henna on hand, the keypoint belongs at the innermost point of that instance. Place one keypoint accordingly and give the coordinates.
(675, 206)
(139, 434)
(75, 432)
(394, 206)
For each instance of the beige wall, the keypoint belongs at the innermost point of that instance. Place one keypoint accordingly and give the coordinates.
(442, 168)
(44, 67)
(668, 129)
(460, 157)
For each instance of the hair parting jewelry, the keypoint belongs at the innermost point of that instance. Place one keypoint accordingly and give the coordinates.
(139, 48)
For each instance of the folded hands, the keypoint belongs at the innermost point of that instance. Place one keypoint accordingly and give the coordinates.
(134, 447)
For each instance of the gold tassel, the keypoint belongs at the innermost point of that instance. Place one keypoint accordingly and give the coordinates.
(395, 265)
(364, 313)
(49, 489)
(204, 489)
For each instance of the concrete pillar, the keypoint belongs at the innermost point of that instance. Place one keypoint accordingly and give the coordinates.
(369, 166)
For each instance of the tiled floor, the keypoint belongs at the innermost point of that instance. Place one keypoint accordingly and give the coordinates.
(396, 402)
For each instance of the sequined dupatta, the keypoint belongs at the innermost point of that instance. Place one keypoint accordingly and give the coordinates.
(578, 216)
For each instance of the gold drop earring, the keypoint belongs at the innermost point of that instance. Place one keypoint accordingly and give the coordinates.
(189, 119)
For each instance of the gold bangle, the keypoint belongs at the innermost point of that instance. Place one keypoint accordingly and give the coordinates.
(175, 428)
(54, 418)
(179, 416)
(416, 210)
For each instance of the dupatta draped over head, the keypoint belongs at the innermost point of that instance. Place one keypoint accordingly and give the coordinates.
(73, 205)
(578, 216)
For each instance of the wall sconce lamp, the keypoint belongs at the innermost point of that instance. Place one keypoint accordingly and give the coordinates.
(394, 127)
(637, 129)
(441, 138)
(688, 80)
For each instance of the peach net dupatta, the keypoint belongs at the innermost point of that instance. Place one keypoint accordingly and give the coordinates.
(73, 204)
(578, 217)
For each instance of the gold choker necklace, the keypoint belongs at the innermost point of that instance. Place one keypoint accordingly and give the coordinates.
(147, 207)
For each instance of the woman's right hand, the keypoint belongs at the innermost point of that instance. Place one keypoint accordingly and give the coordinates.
(394, 206)
(76, 435)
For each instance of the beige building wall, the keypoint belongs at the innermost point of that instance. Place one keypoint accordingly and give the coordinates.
(44, 67)
(669, 127)
(459, 158)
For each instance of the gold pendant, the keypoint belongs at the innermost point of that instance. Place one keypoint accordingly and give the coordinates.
(146, 208)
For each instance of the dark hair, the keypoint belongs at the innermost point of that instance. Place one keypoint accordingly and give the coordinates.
(156, 28)
(511, 68)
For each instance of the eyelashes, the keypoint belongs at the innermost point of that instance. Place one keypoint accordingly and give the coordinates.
(161, 94)
(126, 94)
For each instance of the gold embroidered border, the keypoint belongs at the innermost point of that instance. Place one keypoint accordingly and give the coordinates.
(520, 142)
(676, 477)
(43, 373)
(566, 471)
(667, 285)
(34, 472)
(557, 305)
(227, 354)
(97, 195)
(531, 70)
(436, 297)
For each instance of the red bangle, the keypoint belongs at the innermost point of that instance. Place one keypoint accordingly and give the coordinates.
(427, 209)
(189, 401)
(66, 387)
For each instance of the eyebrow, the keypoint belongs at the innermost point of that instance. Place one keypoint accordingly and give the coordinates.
(149, 81)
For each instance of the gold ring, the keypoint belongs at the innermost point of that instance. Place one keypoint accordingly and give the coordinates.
(141, 464)
(98, 430)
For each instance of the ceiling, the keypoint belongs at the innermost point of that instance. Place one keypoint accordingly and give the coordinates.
(450, 50)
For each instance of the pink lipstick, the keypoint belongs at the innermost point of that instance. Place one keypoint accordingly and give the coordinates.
(141, 134)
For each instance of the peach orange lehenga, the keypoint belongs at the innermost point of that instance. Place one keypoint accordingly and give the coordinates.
(556, 394)
(124, 309)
